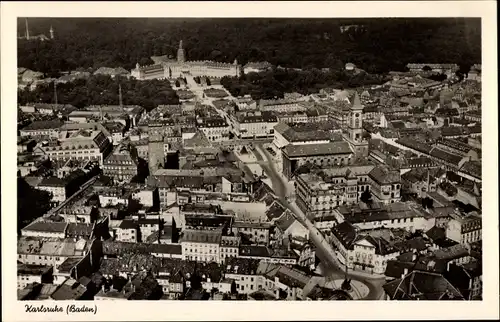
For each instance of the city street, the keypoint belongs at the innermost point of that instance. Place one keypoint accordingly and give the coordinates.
(329, 262)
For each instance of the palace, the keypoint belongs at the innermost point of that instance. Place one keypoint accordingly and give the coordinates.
(165, 68)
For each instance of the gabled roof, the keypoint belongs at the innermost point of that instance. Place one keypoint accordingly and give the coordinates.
(331, 148)
(419, 285)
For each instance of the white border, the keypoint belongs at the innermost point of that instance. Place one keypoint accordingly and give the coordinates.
(211, 310)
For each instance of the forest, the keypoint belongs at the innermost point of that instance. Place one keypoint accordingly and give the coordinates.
(375, 45)
(273, 84)
(103, 90)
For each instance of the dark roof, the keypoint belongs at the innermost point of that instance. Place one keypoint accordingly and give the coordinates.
(332, 148)
(275, 211)
(116, 248)
(422, 286)
(256, 251)
(285, 221)
(436, 233)
(68, 264)
(415, 145)
(417, 243)
(472, 168)
(128, 224)
(43, 125)
(69, 290)
(345, 233)
(203, 220)
(243, 266)
(461, 275)
(27, 269)
(384, 175)
(53, 182)
(202, 236)
(79, 229)
(302, 132)
(446, 156)
(382, 246)
(47, 226)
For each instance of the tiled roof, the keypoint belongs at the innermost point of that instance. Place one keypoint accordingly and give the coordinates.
(345, 233)
(275, 211)
(46, 226)
(422, 286)
(79, 229)
(69, 290)
(202, 236)
(27, 269)
(115, 248)
(43, 125)
(415, 145)
(472, 168)
(255, 251)
(383, 214)
(332, 148)
(243, 266)
(301, 134)
(384, 175)
(285, 221)
(446, 156)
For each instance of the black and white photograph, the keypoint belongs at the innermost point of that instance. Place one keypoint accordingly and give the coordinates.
(249, 159)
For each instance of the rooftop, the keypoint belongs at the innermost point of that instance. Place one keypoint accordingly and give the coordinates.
(201, 236)
(332, 148)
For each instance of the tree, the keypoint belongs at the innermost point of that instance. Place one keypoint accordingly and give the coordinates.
(177, 83)
(124, 42)
(426, 68)
(208, 82)
(427, 203)
(366, 197)
(233, 288)
(213, 291)
(31, 203)
(103, 90)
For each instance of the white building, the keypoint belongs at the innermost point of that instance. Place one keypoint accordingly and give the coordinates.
(464, 229)
(360, 252)
(254, 124)
(201, 245)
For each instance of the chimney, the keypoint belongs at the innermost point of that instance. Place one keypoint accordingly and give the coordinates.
(448, 266)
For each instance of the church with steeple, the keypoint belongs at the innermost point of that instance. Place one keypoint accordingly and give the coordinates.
(166, 68)
(354, 134)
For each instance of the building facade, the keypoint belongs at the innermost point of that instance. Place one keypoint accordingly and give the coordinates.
(165, 68)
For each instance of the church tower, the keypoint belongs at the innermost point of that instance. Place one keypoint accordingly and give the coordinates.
(181, 57)
(355, 129)
(51, 32)
(356, 120)
(156, 153)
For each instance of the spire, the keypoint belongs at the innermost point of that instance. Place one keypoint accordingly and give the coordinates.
(55, 95)
(120, 95)
(356, 105)
(27, 29)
